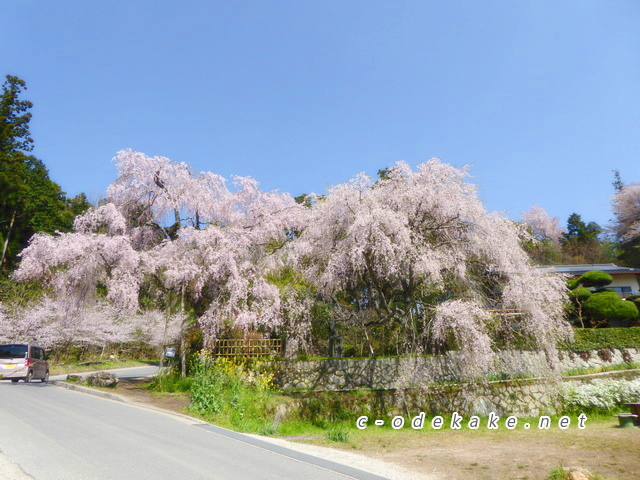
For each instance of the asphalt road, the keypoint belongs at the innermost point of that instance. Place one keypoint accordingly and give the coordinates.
(56, 434)
(129, 373)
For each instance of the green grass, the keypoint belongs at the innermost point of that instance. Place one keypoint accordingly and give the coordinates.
(171, 382)
(561, 473)
(606, 368)
(558, 474)
(338, 433)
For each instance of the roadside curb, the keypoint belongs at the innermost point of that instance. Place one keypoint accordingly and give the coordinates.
(90, 391)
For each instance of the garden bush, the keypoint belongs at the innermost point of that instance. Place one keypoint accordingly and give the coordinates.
(573, 283)
(609, 306)
(580, 294)
(595, 278)
(586, 339)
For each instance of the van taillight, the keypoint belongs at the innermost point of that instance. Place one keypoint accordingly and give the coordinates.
(27, 362)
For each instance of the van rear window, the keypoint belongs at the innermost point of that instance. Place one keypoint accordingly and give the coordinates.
(13, 351)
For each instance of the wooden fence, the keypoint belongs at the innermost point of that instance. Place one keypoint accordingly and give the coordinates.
(251, 347)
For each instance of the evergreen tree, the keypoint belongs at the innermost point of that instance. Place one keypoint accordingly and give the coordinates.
(581, 243)
(30, 201)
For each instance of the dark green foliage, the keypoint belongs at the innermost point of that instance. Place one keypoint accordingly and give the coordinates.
(582, 243)
(599, 338)
(14, 117)
(77, 205)
(595, 278)
(573, 283)
(578, 230)
(580, 294)
(20, 294)
(630, 253)
(30, 201)
(383, 173)
(303, 199)
(607, 306)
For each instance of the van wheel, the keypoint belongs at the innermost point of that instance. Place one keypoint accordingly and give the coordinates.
(45, 379)
(29, 377)
(14, 380)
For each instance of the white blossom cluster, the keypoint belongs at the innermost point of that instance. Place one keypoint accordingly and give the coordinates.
(55, 322)
(601, 394)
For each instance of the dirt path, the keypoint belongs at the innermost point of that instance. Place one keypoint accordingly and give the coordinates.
(134, 391)
(527, 455)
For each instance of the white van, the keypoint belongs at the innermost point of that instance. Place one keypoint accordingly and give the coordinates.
(21, 361)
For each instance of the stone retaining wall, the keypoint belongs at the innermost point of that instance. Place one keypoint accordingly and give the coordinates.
(521, 398)
(413, 372)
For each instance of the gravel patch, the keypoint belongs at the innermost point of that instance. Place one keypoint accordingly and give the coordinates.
(355, 460)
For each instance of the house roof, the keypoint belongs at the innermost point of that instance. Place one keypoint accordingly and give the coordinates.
(610, 268)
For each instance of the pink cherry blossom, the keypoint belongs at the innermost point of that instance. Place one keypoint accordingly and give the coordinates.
(420, 249)
(626, 210)
(543, 226)
(417, 249)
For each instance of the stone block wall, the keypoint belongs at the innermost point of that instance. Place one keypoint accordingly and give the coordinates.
(409, 385)
(413, 372)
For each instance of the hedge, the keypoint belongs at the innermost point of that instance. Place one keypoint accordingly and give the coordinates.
(595, 278)
(597, 338)
(609, 306)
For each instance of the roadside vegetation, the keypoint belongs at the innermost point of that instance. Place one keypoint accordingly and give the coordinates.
(610, 453)
(586, 339)
(242, 395)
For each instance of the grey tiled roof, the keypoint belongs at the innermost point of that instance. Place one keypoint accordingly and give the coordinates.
(610, 268)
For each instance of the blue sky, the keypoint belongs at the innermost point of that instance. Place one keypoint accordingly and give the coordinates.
(542, 98)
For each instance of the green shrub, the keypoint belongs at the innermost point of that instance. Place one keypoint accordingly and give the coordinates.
(630, 311)
(598, 338)
(573, 283)
(595, 278)
(609, 306)
(170, 382)
(580, 294)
